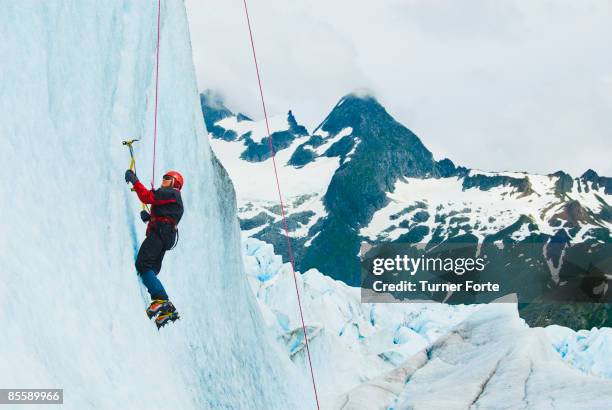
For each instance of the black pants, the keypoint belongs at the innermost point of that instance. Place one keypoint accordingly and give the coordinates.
(151, 253)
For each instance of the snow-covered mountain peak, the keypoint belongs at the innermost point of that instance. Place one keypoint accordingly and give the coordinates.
(351, 110)
(363, 176)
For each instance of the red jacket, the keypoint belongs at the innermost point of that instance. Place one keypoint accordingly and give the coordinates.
(166, 204)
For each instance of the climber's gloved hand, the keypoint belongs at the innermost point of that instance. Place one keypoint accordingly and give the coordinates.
(145, 216)
(130, 176)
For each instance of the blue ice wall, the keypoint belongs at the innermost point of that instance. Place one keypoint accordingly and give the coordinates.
(76, 78)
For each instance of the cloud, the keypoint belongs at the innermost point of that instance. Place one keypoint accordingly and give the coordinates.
(495, 85)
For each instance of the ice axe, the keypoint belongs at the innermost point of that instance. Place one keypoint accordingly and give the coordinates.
(129, 143)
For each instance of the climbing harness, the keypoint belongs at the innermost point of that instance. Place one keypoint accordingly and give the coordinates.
(280, 197)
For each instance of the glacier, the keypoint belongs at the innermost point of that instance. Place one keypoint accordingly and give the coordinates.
(350, 342)
(77, 78)
(587, 350)
(426, 356)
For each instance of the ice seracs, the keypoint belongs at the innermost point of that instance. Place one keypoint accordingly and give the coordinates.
(416, 355)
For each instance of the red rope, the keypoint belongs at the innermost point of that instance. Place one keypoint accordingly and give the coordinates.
(280, 197)
(156, 91)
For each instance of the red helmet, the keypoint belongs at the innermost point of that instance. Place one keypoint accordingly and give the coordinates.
(178, 179)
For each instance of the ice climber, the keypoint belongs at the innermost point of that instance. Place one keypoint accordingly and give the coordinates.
(161, 236)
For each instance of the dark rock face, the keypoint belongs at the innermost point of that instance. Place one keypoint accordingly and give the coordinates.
(572, 215)
(302, 156)
(422, 216)
(446, 168)
(214, 110)
(386, 152)
(556, 245)
(294, 127)
(598, 181)
(415, 235)
(606, 212)
(295, 220)
(590, 175)
(486, 182)
(260, 219)
(241, 117)
(304, 153)
(258, 152)
(341, 148)
(408, 209)
(575, 213)
(564, 184)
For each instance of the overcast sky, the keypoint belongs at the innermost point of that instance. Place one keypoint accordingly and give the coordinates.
(496, 85)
